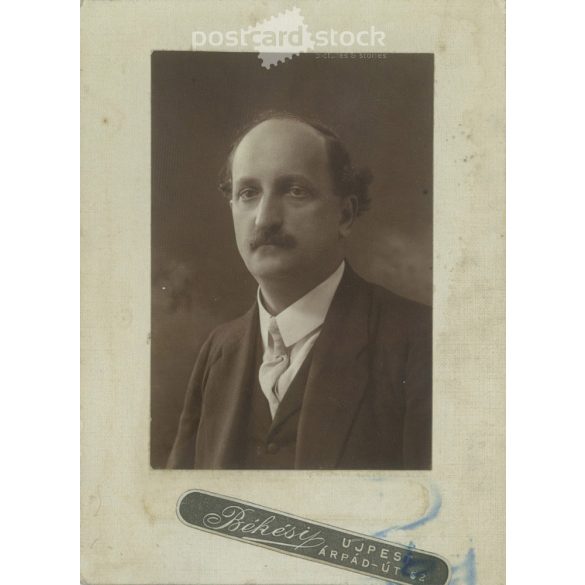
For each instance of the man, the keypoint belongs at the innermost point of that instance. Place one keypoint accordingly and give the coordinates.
(325, 370)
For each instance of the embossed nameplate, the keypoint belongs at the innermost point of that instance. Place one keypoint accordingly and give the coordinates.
(310, 540)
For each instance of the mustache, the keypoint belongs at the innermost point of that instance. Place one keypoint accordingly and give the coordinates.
(271, 237)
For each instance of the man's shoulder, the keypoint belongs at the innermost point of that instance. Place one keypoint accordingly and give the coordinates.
(231, 331)
(394, 313)
(394, 304)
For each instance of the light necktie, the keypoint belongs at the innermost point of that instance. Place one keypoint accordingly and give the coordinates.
(276, 361)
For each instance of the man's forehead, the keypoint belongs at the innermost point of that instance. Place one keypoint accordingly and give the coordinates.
(279, 142)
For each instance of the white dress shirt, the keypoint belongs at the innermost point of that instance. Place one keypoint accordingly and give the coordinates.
(299, 325)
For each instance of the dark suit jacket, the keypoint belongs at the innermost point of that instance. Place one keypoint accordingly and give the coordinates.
(367, 401)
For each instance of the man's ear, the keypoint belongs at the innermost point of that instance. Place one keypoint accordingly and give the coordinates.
(348, 214)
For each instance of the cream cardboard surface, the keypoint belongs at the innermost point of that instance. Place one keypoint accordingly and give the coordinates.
(130, 531)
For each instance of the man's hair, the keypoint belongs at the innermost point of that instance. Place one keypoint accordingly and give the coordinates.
(347, 180)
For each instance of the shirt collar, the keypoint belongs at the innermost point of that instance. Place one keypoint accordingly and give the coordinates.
(304, 315)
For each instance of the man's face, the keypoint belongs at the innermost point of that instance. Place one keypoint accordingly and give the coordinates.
(287, 219)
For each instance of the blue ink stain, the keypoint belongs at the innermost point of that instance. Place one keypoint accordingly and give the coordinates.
(410, 546)
(431, 513)
(465, 573)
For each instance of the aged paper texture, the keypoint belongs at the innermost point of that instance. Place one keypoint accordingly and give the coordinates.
(131, 532)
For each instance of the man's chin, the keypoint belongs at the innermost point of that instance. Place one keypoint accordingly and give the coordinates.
(264, 264)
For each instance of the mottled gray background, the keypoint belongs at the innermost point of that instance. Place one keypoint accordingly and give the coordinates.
(383, 111)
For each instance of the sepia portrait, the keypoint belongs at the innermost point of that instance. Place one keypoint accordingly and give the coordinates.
(292, 249)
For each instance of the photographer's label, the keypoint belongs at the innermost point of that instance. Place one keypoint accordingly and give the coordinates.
(310, 540)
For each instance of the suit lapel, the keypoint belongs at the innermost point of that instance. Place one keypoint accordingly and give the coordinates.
(228, 393)
(337, 377)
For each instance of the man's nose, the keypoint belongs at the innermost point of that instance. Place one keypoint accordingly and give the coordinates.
(269, 210)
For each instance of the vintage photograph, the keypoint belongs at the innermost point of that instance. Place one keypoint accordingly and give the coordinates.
(292, 261)
(293, 272)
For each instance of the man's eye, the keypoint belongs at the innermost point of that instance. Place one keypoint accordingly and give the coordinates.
(247, 194)
(298, 192)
